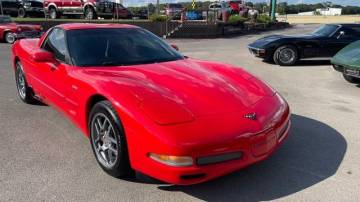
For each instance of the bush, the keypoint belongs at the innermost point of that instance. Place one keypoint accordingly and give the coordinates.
(158, 18)
(263, 19)
(236, 20)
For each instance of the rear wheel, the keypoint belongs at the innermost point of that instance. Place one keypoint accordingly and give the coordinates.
(286, 55)
(21, 13)
(53, 14)
(108, 141)
(89, 13)
(26, 94)
(10, 37)
(351, 79)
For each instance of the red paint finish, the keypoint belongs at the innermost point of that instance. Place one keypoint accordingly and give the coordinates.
(184, 108)
(17, 28)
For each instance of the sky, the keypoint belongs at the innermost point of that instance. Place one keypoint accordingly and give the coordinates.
(341, 2)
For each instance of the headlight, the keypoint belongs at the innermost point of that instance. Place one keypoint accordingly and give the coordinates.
(41, 28)
(27, 4)
(176, 161)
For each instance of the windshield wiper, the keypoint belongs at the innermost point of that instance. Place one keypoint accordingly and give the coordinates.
(111, 63)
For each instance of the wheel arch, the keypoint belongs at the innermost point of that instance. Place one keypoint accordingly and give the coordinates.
(89, 105)
(89, 5)
(52, 5)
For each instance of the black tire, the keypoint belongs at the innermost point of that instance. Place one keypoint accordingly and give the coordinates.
(286, 55)
(53, 14)
(120, 166)
(89, 13)
(25, 92)
(22, 13)
(9, 37)
(351, 79)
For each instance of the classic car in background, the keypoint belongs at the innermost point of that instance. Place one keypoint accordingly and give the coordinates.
(22, 8)
(325, 41)
(347, 61)
(10, 31)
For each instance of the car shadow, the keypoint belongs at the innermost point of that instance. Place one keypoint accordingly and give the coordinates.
(311, 154)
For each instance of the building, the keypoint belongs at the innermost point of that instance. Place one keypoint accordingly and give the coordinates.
(323, 11)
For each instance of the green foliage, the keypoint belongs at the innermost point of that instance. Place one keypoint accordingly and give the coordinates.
(236, 20)
(158, 18)
(263, 19)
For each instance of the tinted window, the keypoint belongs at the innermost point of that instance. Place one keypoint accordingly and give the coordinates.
(325, 30)
(118, 46)
(55, 43)
(5, 19)
(351, 32)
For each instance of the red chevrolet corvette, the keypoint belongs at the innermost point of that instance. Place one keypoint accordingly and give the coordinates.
(147, 108)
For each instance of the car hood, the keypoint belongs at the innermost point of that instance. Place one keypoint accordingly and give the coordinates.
(272, 38)
(201, 88)
(348, 56)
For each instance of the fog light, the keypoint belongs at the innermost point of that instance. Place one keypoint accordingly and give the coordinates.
(262, 51)
(177, 161)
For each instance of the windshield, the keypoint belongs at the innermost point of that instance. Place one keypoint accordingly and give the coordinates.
(325, 30)
(117, 47)
(5, 19)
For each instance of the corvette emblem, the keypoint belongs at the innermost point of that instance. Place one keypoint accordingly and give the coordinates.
(251, 116)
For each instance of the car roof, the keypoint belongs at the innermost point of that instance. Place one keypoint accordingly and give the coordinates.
(346, 24)
(77, 26)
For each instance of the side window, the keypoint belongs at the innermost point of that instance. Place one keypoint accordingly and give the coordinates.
(55, 43)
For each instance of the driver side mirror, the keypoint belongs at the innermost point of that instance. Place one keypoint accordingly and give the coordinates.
(341, 34)
(175, 47)
(43, 56)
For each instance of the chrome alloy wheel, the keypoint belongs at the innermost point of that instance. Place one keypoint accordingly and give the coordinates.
(21, 84)
(104, 140)
(287, 55)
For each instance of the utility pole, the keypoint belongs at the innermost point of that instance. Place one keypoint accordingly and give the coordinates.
(157, 7)
(273, 10)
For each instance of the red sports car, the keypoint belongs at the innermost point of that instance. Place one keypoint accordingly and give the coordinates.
(10, 31)
(147, 108)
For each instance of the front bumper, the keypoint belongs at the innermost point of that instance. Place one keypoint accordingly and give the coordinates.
(349, 71)
(258, 52)
(217, 153)
(34, 9)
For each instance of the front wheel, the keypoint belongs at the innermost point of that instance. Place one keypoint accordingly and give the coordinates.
(351, 79)
(26, 94)
(10, 37)
(108, 141)
(286, 55)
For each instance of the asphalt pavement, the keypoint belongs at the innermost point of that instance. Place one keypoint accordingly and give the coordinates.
(44, 157)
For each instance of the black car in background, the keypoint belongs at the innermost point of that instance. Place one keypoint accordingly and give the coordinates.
(22, 8)
(324, 42)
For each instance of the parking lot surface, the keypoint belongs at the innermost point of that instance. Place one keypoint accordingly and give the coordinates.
(44, 157)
